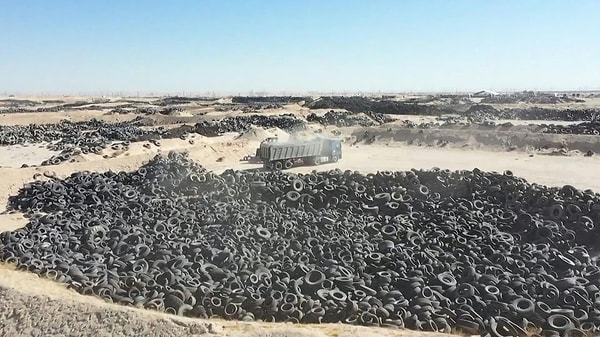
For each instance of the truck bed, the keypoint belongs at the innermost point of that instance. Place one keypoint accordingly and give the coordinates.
(292, 150)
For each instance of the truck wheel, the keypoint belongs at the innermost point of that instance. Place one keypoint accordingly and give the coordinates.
(317, 161)
(288, 164)
(278, 165)
(334, 159)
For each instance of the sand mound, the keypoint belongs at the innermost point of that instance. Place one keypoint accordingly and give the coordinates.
(80, 158)
(180, 114)
(256, 133)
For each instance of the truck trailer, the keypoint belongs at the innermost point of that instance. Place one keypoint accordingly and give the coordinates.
(284, 155)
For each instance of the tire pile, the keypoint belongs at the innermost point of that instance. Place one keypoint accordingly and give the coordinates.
(267, 99)
(345, 118)
(62, 106)
(287, 122)
(362, 104)
(430, 250)
(166, 101)
(247, 107)
(11, 102)
(477, 113)
(145, 110)
(531, 99)
(585, 128)
(25, 110)
(81, 137)
(481, 112)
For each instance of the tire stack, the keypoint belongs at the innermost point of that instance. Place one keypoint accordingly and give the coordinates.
(585, 128)
(345, 119)
(76, 138)
(286, 122)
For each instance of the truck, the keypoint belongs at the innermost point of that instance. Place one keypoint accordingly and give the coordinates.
(279, 155)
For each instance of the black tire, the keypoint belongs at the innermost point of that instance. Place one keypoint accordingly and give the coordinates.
(334, 159)
(288, 164)
(316, 161)
(278, 165)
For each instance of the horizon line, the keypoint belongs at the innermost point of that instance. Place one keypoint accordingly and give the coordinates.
(259, 93)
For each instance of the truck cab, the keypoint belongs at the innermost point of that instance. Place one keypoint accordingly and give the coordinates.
(333, 149)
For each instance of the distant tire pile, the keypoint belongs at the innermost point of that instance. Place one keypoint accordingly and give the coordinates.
(345, 119)
(62, 106)
(166, 101)
(33, 133)
(145, 110)
(267, 99)
(77, 138)
(482, 112)
(286, 122)
(428, 250)
(248, 107)
(585, 128)
(363, 104)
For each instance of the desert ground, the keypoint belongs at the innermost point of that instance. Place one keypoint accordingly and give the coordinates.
(35, 306)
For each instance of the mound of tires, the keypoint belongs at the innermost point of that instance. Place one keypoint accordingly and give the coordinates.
(359, 104)
(90, 133)
(481, 112)
(144, 110)
(286, 122)
(585, 128)
(81, 137)
(430, 250)
(267, 99)
(345, 118)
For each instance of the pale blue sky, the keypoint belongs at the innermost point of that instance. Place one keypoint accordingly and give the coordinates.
(313, 45)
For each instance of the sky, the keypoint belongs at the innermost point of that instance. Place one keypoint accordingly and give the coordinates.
(285, 46)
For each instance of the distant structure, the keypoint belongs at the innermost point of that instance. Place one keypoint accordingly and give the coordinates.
(484, 94)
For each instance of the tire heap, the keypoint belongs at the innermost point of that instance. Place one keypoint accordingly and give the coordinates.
(481, 112)
(267, 99)
(286, 122)
(21, 106)
(247, 107)
(33, 133)
(175, 100)
(126, 109)
(345, 118)
(585, 128)
(429, 250)
(363, 104)
(95, 136)
(81, 137)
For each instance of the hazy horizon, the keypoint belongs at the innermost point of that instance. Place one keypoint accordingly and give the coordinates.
(240, 47)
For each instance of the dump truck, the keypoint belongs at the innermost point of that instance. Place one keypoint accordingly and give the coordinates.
(280, 155)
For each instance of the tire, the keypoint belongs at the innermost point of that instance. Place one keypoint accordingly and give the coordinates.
(316, 161)
(334, 159)
(288, 164)
(278, 165)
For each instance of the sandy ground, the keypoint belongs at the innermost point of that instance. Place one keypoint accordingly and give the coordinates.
(30, 306)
